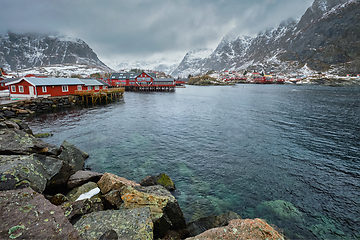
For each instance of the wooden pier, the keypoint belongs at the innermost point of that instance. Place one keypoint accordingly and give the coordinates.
(151, 88)
(100, 96)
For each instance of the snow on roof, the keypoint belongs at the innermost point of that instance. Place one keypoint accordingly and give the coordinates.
(93, 82)
(49, 81)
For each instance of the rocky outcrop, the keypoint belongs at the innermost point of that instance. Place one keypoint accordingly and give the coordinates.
(125, 224)
(30, 216)
(241, 229)
(161, 179)
(110, 207)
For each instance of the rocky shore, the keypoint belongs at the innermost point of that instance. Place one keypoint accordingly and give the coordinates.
(45, 193)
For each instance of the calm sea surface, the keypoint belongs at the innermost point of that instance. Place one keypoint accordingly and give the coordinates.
(288, 154)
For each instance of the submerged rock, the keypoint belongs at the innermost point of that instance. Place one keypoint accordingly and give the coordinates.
(35, 169)
(206, 223)
(81, 177)
(126, 223)
(110, 182)
(30, 216)
(161, 179)
(241, 229)
(43, 135)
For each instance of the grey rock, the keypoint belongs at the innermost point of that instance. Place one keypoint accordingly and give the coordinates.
(74, 210)
(127, 223)
(81, 177)
(21, 170)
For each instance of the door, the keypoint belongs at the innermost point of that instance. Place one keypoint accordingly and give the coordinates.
(31, 91)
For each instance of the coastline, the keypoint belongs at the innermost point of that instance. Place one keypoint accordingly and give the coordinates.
(41, 172)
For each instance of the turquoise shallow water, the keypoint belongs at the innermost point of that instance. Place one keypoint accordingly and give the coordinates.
(286, 153)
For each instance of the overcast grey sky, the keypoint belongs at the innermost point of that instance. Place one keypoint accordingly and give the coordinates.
(143, 29)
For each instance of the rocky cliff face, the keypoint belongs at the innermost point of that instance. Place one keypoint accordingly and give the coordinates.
(324, 39)
(20, 51)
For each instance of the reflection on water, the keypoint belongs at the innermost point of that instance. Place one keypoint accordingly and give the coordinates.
(289, 154)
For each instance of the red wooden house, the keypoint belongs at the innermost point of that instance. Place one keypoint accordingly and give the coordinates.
(140, 80)
(44, 87)
(91, 84)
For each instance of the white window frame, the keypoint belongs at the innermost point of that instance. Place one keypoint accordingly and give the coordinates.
(97, 88)
(21, 88)
(79, 87)
(13, 88)
(65, 88)
(44, 89)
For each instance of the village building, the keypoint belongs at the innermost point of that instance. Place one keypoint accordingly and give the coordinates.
(43, 87)
(91, 84)
(142, 82)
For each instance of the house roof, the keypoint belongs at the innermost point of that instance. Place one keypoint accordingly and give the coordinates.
(93, 82)
(48, 81)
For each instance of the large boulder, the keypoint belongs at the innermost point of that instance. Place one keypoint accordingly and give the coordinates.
(119, 224)
(15, 141)
(34, 170)
(206, 223)
(26, 214)
(110, 182)
(161, 179)
(241, 229)
(81, 177)
(165, 210)
(73, 160)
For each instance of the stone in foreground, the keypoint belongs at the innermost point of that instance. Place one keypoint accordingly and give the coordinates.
(239, 229)
(30, 216)
(126, 223)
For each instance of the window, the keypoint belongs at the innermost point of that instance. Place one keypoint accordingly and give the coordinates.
(13, 89)
(65, 88)
(44, 89)
(89, 87)
(96, 87)
(79, 87)
(21, 88)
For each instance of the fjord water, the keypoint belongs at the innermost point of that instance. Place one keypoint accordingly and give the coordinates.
(285, 153)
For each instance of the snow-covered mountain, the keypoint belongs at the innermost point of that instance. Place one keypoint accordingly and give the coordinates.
(22, 51)
(192, 63)
(162, 65)
(324, 39)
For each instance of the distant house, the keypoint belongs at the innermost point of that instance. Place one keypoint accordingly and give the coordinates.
(4, 81)
(93, 84)
(139, 79)
(43, 87)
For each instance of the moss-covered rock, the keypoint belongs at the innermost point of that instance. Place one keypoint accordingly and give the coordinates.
(35, 169)
(74, 210)
(126, 223)
(161, 179)
(43, 135)
(165, 211)
(26, 214)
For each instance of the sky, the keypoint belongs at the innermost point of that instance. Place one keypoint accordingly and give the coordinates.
(129, 30)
